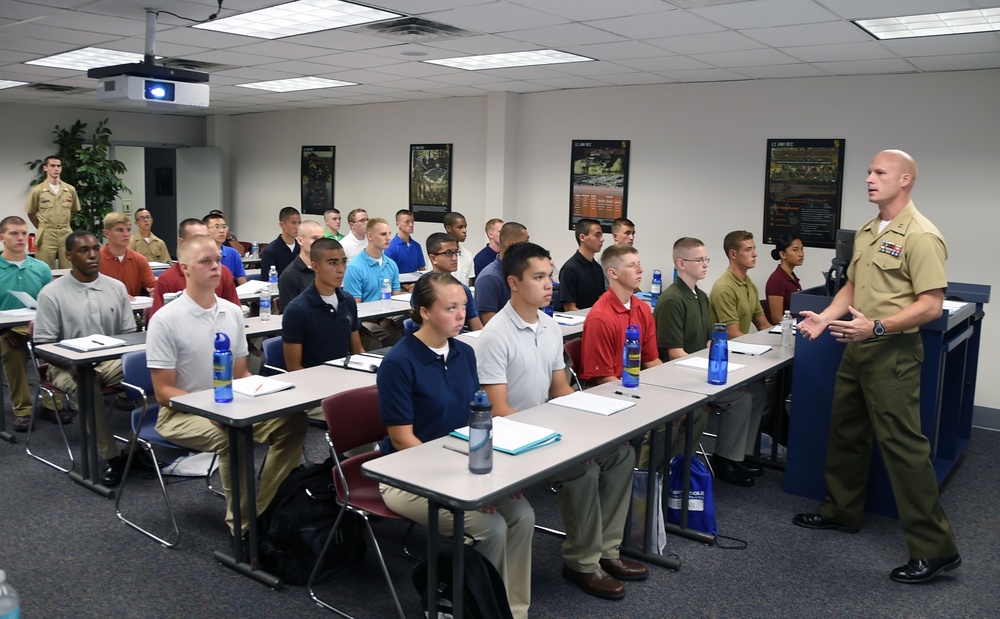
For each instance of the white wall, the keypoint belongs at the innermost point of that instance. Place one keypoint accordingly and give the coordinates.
(134, 158)
(697, 167)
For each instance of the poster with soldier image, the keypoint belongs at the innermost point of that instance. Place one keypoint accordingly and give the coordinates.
(430, 181)
(317, 179)
(802, 196)
(598, 181)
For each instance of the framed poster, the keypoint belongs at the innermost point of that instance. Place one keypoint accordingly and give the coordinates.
(598, 181)
(803, 191)
(317, 179)
(430, 181)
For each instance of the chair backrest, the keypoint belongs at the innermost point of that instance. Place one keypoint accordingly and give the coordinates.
(136, 374)
(274, 353)
(352, 418)
(410, 327)
(574, 348)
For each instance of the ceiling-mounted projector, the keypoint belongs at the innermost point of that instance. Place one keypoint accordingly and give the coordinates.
(152, 91)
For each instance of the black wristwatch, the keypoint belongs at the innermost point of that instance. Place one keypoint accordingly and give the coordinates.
(879, 329)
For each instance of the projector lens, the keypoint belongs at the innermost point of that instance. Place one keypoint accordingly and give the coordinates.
(159, 91)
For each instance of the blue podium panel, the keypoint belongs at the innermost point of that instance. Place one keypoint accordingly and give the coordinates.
(947, 391)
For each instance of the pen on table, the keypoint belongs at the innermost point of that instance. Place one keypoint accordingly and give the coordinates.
(631, 395)
(455, 449)
(97, 341)
(258, 387)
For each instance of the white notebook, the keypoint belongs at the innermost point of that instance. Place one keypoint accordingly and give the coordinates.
(742, 348)
(26, 299)
(251, 286)
(364, 362)
(514, 437)
(92, 342)
(701, 363)
(255, 386)
(569, 320)
(598, 404)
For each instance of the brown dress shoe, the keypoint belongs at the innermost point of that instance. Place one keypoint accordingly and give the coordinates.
(623, 569)
(50, 415)
(598, 584)
(21, 424)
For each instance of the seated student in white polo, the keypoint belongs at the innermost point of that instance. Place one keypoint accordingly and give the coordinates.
(179, 350)
(520, 364)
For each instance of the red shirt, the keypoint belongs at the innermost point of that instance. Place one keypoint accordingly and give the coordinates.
(133, 270)
(781, 284)
(604, 335)
(172, 280)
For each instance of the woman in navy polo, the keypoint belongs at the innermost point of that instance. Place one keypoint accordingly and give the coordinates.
(425, 386)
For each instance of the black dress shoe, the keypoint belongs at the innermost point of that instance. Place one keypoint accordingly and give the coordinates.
(753, 470)
(624, 569)
(727, 471)
(113, 471)
(21, 424)
(922, 570)
(598, 584)
(818, 521)
(59, 416)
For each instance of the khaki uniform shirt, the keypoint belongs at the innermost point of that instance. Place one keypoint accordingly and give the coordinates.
(154, 251)
(735, 301)
(53, 210)
(889, 269)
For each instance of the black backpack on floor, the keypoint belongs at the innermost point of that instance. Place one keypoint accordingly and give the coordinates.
(485, 596)
(298, 522)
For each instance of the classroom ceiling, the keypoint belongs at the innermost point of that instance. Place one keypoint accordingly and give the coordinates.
(632, 42)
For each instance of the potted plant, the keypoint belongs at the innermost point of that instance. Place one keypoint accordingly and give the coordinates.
(87, 166)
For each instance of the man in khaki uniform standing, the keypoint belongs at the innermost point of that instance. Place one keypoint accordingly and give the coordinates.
(896, 283)
(51, 206)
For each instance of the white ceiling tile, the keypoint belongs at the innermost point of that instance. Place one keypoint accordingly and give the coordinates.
(281, 49)
(782, 71)
(845, 51)
(10, 56)
(225, 56)
(360, 76)
(664, 63)
(586, 10)
(32, 46)
(616, 51)
(77, 20)
(19, 11)
(419, 7)
(747, 58)
(468, 78)
(634, 79)
(946, 45)
(809, 34)
(295, 67)
(706, 42)
(958, 62)
(495, 17)
(868, 67)
(483, 44)
(656, 25)
(70, 39)
(571, 82)
(590, 68)
(524, 73)
(765, 13)
(418, 69)
(867, 9)
(353, 60)
(705, 75)
(342, 40)
(563, 35)
(254, 74)
(458, 91)
(401, 52)
(203, 38)
(515, 86)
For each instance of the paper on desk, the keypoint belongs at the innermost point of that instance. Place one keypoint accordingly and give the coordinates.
(474, 334)
(777, 329)
(156, 266)
(569, 320)
(254, 386)
(23, 312)
(364, 362)
(141, 302)
(591, 403)
(251, 286)
(701, 363)
(92, 342)
(949, 306)
(513, 437)
(742, 348)
(405, 297)
(26, 299)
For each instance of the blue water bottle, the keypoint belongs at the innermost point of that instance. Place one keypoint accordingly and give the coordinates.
(480, 434)
(631, 358)
(656, 287)
(718, 356)
(222, 369)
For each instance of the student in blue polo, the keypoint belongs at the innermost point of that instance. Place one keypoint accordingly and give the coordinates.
(405, 251)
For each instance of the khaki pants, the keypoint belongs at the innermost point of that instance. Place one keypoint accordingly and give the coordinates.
(51, 246)
(14, 352)
(503, 537)
(594, 500)
(678, 441)
(109, 374)
(284, 435)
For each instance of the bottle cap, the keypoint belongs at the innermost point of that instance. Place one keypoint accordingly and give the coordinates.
(221, 341)
(632, 332)
(719, 326)
(480, 399)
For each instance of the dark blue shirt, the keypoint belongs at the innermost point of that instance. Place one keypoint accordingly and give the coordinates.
(409, 257)
(276, 253)
(417, 387)
(492, 292)
(324, 333)
(485, 256)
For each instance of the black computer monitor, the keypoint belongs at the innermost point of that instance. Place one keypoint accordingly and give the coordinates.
(836, 277)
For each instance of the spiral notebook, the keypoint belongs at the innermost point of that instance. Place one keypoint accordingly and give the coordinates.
(513, 437)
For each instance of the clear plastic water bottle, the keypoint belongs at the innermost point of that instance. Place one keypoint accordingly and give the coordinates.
(255, 250)
(480, 434)
(10, 603)
(656, 287)
(272, 280)
(718, 356)
(222, 369)
(787, 330)
(386, 290)
(631, 358)
(265, 304)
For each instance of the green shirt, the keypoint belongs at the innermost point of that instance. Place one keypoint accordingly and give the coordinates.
(335, 237)
(683, 319)
(735, 301)
(30, 277)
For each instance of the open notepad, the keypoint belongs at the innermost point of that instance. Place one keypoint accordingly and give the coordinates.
(92, 342)
(364, 362)
(26, 299)
(569, 320)
(742, 348)
(701, 363)
(513, 437)
(254, 386)
(598, 404)
(251, 286)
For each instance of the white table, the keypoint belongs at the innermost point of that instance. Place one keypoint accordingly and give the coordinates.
(373, 310)
(255, 327)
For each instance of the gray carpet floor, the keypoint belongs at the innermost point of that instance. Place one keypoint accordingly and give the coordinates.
(69, 556)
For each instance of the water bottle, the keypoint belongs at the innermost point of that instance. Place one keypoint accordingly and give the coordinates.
(656, 287)
(631, 358)
(222, 369)
(718, 356)
(10, 603)
(255, 251)
(386, 290)
(480, 434)
(272, 280)
(265, 304)
(787, 330)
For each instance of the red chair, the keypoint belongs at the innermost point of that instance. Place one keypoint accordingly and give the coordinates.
(353, 421)
(574, 350)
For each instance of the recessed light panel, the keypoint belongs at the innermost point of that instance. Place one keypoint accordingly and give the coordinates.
(297, 83)
(301, 17)
(933, 24)
(513, 59)
(10, 84)
(87, 58)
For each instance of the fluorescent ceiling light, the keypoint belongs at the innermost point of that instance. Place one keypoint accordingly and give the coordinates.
(514, 59)
(88, 58)
(933, 24)
(10, 84)
(297, 83)
(301, 17)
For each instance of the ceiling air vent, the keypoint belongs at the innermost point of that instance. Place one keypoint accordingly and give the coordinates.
(411, 30)
(58, 89)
